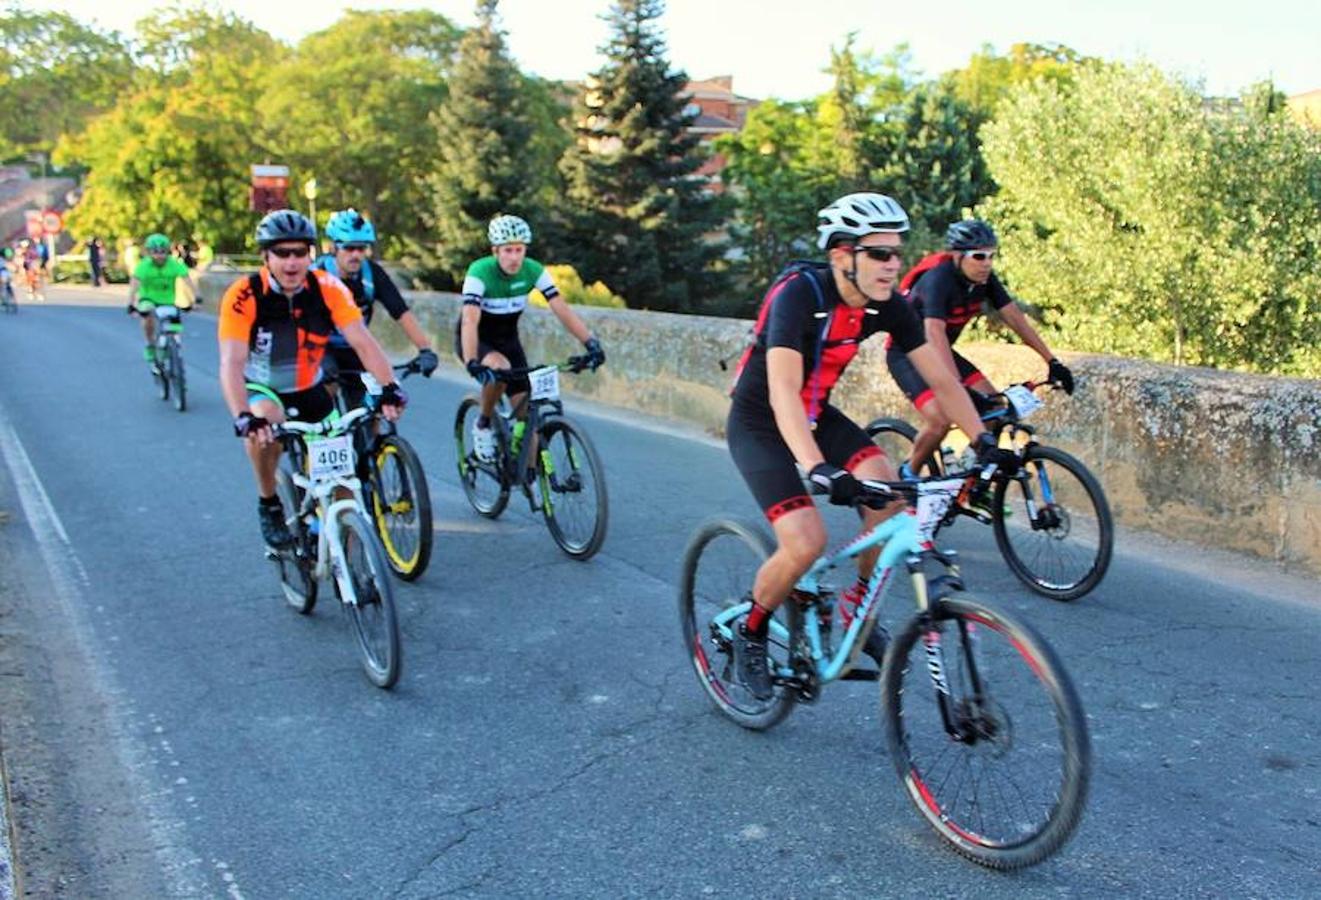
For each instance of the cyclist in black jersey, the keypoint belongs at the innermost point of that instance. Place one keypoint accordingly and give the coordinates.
(946, 297)
(780, 422)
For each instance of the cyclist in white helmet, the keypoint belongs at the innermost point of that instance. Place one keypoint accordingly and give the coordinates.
(495, 292)
(781, 423)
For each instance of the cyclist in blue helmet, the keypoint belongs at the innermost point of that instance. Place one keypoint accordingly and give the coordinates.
(353, 236)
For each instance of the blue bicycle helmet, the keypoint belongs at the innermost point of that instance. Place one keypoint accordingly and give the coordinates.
(349, 227)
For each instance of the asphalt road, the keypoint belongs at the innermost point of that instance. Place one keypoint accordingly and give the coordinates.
(172, 729)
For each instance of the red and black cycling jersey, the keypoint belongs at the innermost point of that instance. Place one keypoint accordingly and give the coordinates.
(795, 314)
(943, 292)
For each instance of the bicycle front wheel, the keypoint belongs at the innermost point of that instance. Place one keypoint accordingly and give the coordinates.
(573, 492)
(986, 733)
(719, 567)
(1053, 525)
(366, 593)
(160, 372)
(176, 376)
(484, 481)
(295, 563)
(401, 507)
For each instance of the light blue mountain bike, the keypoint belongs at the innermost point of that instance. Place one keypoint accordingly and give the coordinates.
(991, 745)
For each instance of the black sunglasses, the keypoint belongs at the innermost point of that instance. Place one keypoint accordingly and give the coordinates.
(880, 254)
(286, 252)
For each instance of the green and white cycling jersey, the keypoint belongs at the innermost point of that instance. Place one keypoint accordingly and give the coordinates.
(503, 297)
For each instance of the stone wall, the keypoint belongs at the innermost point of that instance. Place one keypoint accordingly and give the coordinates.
(1223, 459)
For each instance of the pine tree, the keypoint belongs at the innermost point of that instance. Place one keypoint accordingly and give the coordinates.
(640, 218)
(485, 133)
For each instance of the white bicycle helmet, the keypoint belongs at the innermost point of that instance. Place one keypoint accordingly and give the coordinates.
(858, 215)
(509, 230)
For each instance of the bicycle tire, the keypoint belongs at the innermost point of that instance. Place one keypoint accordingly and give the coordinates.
(989, 734)
(1054, 524)
(371, 606)
(295, 567)
(407, 544)
(556, 486)
(486, 485)
(159, 373)
(177, 379)
(703, 594)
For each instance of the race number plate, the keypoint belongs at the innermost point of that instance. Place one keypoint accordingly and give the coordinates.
(331, 458)
(1025, 402)
(545, 383)
(933, 499)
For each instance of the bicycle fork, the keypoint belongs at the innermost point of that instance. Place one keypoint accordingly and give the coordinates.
(957, 714)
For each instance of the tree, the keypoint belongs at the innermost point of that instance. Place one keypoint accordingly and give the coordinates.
(485, 134)
(640, 217)
(173, 155)
(1148, 225)
(55, 75)
(989, 77)
(351, 108)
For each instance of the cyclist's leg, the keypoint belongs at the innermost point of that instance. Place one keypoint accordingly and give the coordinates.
(935, 424)
(845, 444)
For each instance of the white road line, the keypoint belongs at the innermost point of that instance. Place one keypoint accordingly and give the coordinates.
(179, 866)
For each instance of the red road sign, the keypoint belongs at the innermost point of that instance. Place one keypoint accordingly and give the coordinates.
(52, 222)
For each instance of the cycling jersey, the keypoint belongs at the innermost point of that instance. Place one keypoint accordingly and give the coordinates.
(156, 283)
(503, 297)
(795, 314)
(371, 284)
(943, 292)
(286, 336)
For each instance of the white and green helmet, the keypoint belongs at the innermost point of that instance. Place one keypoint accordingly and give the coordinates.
(509, 230)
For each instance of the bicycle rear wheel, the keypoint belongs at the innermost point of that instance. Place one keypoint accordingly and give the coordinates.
(401, 507)
(986, 733)
(719, 566)
(366, 592)
(484, 483)
(573, 491)
(176, 375)
(295, 563)
(1061, 545)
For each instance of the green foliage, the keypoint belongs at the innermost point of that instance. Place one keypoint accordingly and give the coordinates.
(484, 135)
(55, 74)
(988, 78)
(575, 293)
(638, 216)
(1146, 225)
(350, 108)
(173, 154)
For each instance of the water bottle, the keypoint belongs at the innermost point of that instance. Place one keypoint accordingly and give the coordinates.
(517, 431)
(947, 460)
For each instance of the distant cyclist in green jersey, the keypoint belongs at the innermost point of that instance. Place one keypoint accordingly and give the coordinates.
(152, 285)
(495, 293)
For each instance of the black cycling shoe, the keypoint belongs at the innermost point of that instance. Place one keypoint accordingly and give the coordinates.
(876, 642)
(750, 661)
(273, 530)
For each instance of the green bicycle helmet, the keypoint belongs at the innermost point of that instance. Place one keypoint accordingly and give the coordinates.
(157, 241)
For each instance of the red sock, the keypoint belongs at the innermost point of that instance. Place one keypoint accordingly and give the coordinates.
(759, 620)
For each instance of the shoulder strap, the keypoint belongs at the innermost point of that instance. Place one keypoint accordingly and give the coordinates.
(368, 281)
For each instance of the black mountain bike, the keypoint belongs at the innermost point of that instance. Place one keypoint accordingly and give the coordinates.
(168, 370)
(395, 488)
(1061, 544)
(546, 450)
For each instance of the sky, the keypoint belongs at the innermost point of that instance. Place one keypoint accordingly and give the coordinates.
(778, 48)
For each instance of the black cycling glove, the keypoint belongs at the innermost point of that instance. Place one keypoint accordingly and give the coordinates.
(246, 424)
(393, 395)
(483, 375)
(989, 453)
(595, 355)
(426, 361)
(1060, 374)
(842, 487)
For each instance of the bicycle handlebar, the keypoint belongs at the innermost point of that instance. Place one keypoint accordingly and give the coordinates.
(340, 425)
(574, 364)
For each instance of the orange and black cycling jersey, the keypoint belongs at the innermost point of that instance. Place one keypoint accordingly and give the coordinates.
(286, 336)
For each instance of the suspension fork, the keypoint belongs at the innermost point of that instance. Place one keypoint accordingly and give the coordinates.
(929, 594)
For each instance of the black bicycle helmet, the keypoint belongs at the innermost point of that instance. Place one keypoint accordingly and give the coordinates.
(285, 225)
(970, 234)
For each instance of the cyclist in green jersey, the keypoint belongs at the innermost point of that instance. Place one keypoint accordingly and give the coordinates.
(495, 292)
(152, 285)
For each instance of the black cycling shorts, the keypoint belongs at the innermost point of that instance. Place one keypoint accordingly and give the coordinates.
(311, 405)
(511, 348)
(343, 367)
(767, 465)
(914, 386)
